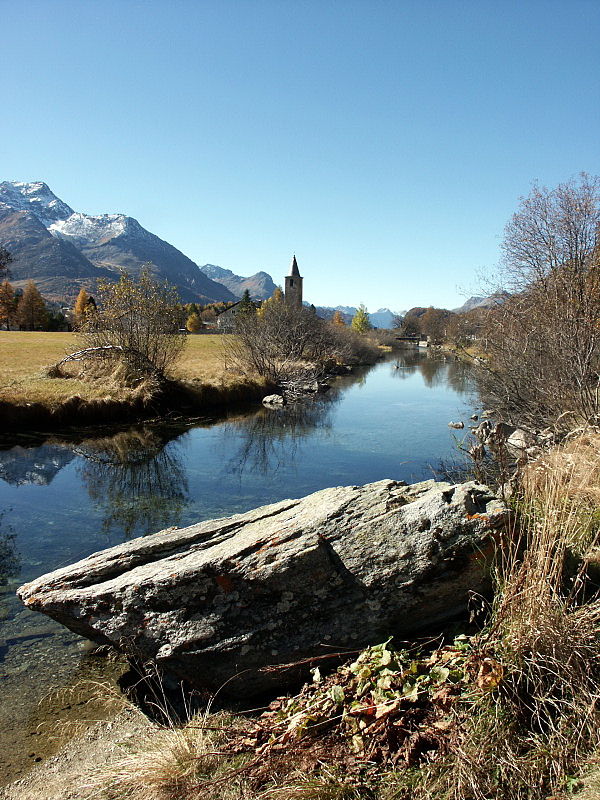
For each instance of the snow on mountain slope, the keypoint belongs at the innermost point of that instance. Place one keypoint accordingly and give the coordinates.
(35, 197)
(87, 229)
(104, 244)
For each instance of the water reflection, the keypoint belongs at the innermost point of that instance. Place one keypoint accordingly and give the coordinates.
(270, 438)
(435, 368)
(135, 479)
(10, 563)
(37, 466)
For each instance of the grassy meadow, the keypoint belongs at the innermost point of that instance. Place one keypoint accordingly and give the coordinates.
(24, 356)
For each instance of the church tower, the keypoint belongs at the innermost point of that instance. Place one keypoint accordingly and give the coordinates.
(293, 285)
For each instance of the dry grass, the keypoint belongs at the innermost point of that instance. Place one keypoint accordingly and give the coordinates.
(24, 357)
(531, 739)
(174, 763)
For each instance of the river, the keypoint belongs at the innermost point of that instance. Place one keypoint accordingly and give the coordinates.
(62, 498)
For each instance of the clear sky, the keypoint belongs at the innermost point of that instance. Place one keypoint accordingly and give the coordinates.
(385, 143)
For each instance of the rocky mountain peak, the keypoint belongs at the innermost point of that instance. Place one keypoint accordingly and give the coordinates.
(36, 197)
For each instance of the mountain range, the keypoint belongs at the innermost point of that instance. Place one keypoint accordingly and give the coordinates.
(382, 318)
(64, 250)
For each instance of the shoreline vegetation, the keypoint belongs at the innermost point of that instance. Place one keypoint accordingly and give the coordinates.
(199, 382)
(30, 398)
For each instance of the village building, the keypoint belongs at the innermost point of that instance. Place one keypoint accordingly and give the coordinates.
(226, 319)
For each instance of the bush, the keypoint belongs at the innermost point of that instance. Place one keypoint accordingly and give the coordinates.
(137, 322)
(287, 343)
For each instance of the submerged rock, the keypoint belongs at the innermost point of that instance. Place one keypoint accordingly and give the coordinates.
(342, 568)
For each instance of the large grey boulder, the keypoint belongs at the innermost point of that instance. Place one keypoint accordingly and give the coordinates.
(339, 569)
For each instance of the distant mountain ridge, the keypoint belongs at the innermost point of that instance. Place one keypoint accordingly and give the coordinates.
(63, 250)
(260, 285)
(482, 302)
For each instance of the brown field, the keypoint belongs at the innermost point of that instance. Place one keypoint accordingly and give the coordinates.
(25, 354)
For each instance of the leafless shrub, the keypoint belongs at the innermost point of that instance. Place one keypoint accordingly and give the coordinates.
(544, 342)
(136, 323)
(286, 342)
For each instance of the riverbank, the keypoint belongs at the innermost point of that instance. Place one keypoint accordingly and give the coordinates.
(29, 399)
(506, 712)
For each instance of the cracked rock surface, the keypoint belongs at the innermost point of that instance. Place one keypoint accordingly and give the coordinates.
(339, 569)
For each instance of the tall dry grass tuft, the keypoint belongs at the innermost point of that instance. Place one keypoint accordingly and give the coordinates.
(173, 763)
(534, 732)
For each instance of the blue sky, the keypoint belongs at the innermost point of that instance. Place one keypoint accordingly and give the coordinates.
(385, 143)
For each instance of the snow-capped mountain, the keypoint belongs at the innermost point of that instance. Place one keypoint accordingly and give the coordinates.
(63, 249)
(35, 197)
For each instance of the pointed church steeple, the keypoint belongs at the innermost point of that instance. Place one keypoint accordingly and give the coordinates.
(293, 285)
(294, 271)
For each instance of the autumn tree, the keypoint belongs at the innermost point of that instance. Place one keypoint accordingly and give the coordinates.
(286, 343)
(5, 260)
(194, 323)
(338, 319)
(32, 314)
(8, 304)
(361, 322)
(84, 304)
(208, 315)
(411, 323)
(276, 297)
(434, 323)
(138, 322)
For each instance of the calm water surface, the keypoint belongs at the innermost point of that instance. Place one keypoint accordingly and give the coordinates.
(62, 499)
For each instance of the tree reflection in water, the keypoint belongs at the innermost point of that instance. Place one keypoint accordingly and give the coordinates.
(269, 440)
(436, 369)
(136, 479)
(10, 563)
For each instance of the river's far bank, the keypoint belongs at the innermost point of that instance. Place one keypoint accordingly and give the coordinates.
(30, 399)
(33, 399)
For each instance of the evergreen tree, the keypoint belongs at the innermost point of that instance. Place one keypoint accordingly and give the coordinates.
(31, 310)
(56, 321)
(246, 305)
(8, 304)
(361, 321)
